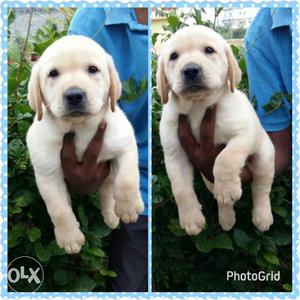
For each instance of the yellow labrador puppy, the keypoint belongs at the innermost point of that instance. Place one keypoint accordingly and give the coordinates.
(196, 70)
(73, 86)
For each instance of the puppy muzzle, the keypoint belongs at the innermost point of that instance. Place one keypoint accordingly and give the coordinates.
(74, 101)
(192, 78)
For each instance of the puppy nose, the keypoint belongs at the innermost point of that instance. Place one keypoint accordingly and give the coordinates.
(191, 71)
(74, 96)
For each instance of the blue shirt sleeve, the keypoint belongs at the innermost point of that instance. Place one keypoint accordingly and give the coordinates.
(87, 22)
(269, 70)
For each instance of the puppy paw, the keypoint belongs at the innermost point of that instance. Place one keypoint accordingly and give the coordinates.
(71, 239)
(110, 219)
(191, 219)
(227, 191)
(128, 210)
(226, 217)
(262, 218)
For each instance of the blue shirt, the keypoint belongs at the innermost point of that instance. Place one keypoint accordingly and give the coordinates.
(269, 64)
(119, 33)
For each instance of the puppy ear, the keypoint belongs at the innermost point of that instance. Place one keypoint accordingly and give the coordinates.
(162, 83)
(234, 72)
(34, 92)
(115, 89)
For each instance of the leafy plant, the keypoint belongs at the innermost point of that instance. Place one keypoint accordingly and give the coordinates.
(183, 263)
(30, 231)
(131, 90)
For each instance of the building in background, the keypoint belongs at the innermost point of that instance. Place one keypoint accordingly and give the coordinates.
(236, 17)
(230, 22)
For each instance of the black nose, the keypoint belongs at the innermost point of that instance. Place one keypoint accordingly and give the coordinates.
(74, 96)
(191, 71)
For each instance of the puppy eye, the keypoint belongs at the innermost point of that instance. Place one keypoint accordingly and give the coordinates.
(93, 69)
(209, 50)
(53, 73)
(173, 56)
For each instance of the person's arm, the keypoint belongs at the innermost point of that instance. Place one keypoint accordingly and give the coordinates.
(86, 176)
(203, 157)
(282, 141)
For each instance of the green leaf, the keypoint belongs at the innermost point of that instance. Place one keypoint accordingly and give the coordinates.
(23, 126)
(142, 87)
(269, 244)
(278, 195)
(33, 234)
(197, 16)
(240, 238)
(254, 102)
(287, 287)
(15, 210)
(275, 102)
(61, 276)
(204, 244)
(42, 253)
(100, 231)
(53, 249)
(25, 200)
(154, 38)
(254, 247)
(84, 283)
(175, 228)
(11, 17)
(271, 258)
(16, 234)
(282, 237)
(281, 211)
(94, 199)
(173, 21)
(288, 97)
(223, 241)
(108, 273)
(131, 90)
(14, 51)
(126, 86)
(23, 108)
(260, 261)
(97, 252)
(82, 216)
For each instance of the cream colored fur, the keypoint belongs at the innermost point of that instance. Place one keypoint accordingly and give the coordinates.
(237, 125)
(120, 193)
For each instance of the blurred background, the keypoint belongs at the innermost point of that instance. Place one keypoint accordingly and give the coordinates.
(231, 22)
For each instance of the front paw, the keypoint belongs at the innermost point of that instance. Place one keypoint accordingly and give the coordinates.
(227, 190)
(262, 218)
(191, 219)
(226, 217)
(128, 210)
(110, 219)
(69, 239)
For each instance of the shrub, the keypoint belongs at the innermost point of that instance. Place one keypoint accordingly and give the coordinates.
(183, 263)
(30, 231)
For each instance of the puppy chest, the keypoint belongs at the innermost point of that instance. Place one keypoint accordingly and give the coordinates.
(219, 131)
(83, 144)
(111, 148)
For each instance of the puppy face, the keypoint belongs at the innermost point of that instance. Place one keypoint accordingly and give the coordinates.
(74, 78)
(195, 62)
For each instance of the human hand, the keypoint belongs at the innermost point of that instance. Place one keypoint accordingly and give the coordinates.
(202, 155)
(86, 176)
